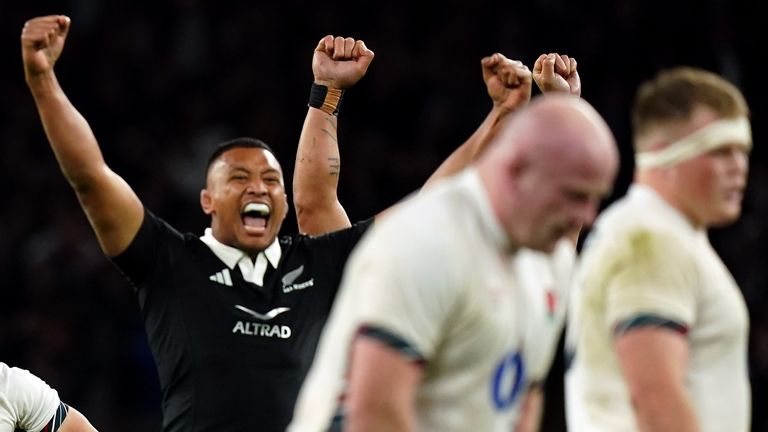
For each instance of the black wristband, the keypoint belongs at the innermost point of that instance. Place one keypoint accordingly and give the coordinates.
(325, 99)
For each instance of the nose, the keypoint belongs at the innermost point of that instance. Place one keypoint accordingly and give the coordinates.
(740, 161)
(587, 213)
(256, 187)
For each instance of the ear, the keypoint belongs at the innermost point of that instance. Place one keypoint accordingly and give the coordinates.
(517, 166)
(206, 201)
(287, 206)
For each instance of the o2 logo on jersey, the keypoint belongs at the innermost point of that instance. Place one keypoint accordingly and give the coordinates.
(508, 381)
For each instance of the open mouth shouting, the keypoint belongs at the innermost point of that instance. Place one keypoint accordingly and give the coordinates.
(255, 217)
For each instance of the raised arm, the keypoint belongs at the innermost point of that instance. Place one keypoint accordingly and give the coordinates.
(112, 208)
(337, 64)
(556, 73)
(509, 85)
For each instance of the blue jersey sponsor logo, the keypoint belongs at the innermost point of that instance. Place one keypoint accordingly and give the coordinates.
(508, 381)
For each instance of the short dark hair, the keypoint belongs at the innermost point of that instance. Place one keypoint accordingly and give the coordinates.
(673, 95)
(242, 142)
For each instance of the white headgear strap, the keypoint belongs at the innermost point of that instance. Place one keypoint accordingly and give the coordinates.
(733, 131)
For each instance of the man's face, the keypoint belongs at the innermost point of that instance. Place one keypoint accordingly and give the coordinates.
(711, 186)
(245, 197)
(560, 197)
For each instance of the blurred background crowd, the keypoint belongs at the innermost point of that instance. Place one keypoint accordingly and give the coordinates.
(161, 83)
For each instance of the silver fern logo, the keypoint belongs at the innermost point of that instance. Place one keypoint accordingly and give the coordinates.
(290, 277)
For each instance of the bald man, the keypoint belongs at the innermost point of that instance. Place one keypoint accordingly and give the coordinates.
(429, 327)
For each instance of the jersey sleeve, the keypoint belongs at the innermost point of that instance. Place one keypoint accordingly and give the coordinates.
(340, 243)
(333, 249)
(406, 292)
(651, 276)
(147, 253)
(26, 401)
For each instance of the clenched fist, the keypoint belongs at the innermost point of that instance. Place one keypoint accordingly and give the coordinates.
(340, 62)
(42, 40)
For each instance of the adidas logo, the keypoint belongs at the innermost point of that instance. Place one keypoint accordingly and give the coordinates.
(222, 277)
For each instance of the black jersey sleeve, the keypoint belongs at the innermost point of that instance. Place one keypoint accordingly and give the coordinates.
(330, 252)
(147, 252)
(340, 243)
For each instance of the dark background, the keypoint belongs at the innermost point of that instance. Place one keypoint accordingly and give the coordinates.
(160, 84)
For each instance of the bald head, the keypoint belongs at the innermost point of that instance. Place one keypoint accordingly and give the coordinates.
(555, 127)
(548, 168)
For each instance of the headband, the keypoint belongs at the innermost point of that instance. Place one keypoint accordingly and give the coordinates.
(716, 134)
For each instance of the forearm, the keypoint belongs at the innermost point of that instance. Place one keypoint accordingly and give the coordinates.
(69, 134)
(471, 148)
(532, 408)
(316, 176)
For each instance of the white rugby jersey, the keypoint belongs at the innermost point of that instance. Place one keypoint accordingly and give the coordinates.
(436, 274)
(645, 259)
(545, 279)
(26, 401)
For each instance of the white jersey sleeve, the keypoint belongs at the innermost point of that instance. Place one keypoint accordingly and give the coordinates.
(408, 294)
(26, 401)
(650, 275)
(544, 279)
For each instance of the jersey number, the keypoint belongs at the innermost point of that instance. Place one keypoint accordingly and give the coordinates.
(508, 381)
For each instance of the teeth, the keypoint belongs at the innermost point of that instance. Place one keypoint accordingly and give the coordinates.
(261, 209)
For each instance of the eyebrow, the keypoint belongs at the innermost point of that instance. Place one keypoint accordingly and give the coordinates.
(232, 169)
(270, 169)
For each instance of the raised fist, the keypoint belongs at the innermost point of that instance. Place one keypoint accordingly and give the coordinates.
(42, 40)
(340, 62)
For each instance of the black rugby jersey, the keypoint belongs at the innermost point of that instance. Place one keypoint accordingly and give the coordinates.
(231, 355)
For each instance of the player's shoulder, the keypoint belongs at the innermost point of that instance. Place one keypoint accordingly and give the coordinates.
(639, 219)
(18, 381)
(419, 236)
(418, 220)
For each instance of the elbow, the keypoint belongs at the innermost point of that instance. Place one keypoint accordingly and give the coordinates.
(82, 185)
(308, 201)
(83, 179)
(302, 203)
(309, 206)
(305, 211)
(82, 182)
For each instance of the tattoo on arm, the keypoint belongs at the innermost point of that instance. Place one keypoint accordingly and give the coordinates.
(332, 122)
(330, 134)
(334, 165)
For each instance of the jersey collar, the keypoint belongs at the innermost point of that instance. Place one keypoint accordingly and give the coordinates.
(252, 272)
